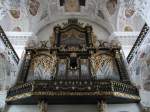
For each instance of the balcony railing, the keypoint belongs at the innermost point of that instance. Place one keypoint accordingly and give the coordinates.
(74, 88)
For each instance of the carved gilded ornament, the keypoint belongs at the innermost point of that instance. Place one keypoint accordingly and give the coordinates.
(113, 88)
(73, 21)
(62, 93)
(94, 39)
(48, 62)
(98, 60)
(52, 40)
(73, 31)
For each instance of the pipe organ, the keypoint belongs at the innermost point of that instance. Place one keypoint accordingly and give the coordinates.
(73, 71)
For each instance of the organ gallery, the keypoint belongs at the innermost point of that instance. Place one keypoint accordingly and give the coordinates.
(73, 70)
(74, 56)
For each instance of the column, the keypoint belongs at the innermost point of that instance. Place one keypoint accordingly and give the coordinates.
(43, 106)
(57, 36)
(23, 71)
(89, 36)
(102, 106)
(121, 67)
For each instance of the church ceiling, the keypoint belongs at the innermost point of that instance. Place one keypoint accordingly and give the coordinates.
(24, 15)
(33, 15)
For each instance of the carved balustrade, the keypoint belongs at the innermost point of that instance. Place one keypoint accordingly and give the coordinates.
(96, 88)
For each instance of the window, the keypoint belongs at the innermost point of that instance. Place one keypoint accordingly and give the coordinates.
(62, 2)
(81, 2)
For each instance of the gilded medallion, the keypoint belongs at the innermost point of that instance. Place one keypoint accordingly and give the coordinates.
(15, 13)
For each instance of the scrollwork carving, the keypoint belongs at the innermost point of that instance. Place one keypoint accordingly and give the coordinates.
(43, 44)
(104, 44)
(104, 66)
(43, 66)
(98, 61)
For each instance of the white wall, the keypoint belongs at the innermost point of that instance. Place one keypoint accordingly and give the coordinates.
(53, 108)
(75, 108)
(2, 99)
(21, 108)
(145, 98)
(123, 108)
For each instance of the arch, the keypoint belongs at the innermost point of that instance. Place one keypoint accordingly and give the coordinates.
(98, 21)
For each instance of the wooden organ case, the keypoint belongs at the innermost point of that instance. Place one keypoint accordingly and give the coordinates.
(73, 71)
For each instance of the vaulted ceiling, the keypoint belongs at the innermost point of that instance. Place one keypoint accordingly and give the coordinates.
(21, 19)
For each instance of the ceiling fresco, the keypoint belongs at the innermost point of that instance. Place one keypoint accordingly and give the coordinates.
(116, 13)
(15, 13)
(33, 7)
(72, 6)
(128, 29)
(34, 15)
(129, 12)
(17, 29)
(111, 6)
